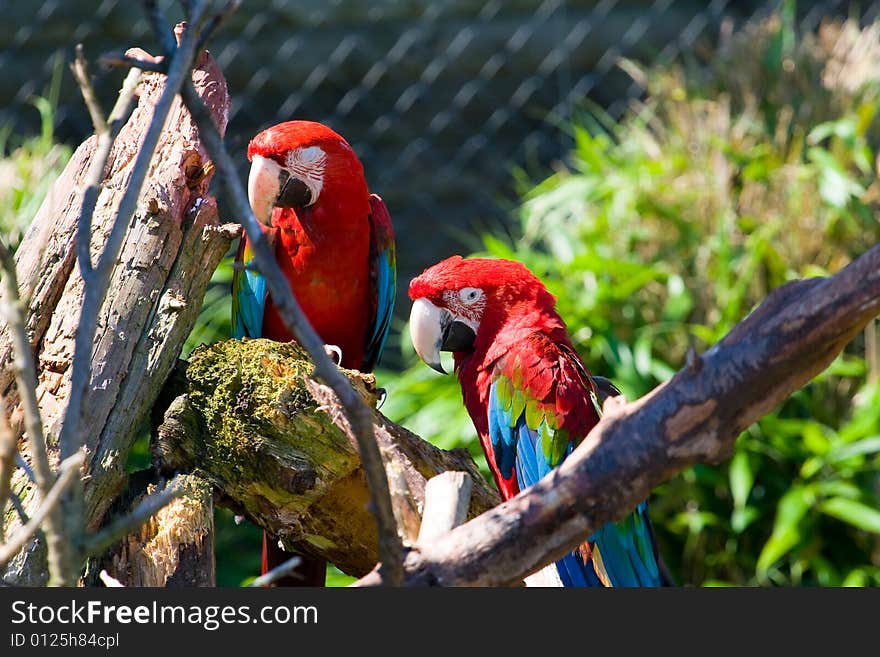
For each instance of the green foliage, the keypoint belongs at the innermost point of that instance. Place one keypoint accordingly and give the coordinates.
(237, 546)
(215, 318)
(28, 166)
(666, 229)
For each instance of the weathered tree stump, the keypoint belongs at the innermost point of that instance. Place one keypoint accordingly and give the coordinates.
(173, 245)
(246, 416)
(174, 548)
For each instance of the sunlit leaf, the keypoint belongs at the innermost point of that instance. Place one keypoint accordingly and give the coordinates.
(740, 519)
(861, 447)
(852, 512)
(741, 478)
(786, 531)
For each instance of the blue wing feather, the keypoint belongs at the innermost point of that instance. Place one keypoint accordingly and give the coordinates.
(501, 434)
(626, 548)
(248, 296)
(383, 275)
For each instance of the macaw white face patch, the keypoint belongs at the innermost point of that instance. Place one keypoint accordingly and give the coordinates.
(467, 305)
(308, 164)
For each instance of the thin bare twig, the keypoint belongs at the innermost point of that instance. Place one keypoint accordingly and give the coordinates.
(19, 507)
(120, 60)
(216, 21)
(21, 463)
(80, 68)
(391, 551)
(162, 27)
(124, 525)
(68, 472)
(276, 573)
(8, 450)
(26, 381)
(25, 371)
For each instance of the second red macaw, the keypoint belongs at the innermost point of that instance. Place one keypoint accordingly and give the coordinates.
(333, 241)
(529, 396)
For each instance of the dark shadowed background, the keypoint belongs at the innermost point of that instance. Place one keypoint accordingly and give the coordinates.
(442, 99)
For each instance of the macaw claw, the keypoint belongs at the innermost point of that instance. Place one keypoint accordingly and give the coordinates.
(334, 353)
(383, 395)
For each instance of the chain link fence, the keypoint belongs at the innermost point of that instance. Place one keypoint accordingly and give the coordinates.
(443, 100)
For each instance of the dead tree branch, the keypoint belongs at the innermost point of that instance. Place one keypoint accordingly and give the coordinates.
(279, 571)
(110, 581)
(166, 539)
(25, 372)
(124, 525)
(57, 539)
(80, 69)
(447, 497)
(97, 279)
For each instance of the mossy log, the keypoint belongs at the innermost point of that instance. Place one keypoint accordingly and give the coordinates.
(246, 416)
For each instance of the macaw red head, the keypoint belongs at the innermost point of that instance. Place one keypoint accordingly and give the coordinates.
(464, 304)
(295, 164)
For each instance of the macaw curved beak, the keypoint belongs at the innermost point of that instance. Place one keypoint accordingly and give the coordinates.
(264, 185)
(270, 185)
(434, 329)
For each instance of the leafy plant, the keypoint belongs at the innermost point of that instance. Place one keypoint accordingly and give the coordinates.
(29, 165)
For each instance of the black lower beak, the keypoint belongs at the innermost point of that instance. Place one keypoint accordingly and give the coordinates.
(457, 336)
(294, 193)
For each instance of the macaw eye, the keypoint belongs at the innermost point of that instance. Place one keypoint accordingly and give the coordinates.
(311, 154)
(470, 295)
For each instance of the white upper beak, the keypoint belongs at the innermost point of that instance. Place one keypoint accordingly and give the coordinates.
(427, 323)
(264, 186)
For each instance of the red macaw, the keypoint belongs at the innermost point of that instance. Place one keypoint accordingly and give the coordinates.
(529, 396)
(334, 241)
